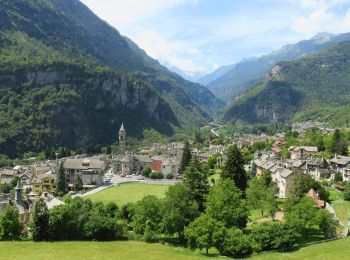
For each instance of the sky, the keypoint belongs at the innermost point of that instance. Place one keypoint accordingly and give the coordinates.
(198, 36)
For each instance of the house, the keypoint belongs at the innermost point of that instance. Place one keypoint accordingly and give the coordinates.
(318, 168)
(302, 152)
(44, 183)
(283, 178)
(341, 164)
(50, 200)
(263, 165)
(318, 202)
(130, 164)
(25, 178)
(6, 175)
(90, 171)
(24, 206)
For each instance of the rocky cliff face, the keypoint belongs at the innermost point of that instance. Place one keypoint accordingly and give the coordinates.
(73, 108)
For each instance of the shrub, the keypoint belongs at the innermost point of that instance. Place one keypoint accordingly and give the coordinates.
(236, 244)
(170, 176)
(347, 192)
(274, 235)
(156, 175)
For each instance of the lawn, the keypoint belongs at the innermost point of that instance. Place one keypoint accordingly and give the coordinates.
(342, 209)
(129, 192)
(93, 250)
(338, 249)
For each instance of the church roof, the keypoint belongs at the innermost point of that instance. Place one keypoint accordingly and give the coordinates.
(122, 129)
(128, 159)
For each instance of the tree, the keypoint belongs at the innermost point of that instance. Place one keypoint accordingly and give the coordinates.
(303, 215)
(234, 168)
(347, 192)
(338, 177)
(261, 196)
(225, 204)
(205, 233)
(179, 209)
(338, 144)
(62, 186)
(10, 226)
(40, 225)
(274, 235)
(197, 182)
(78, 185)
(148, 210)
(186, 157)
(146, 172)
(236, 244)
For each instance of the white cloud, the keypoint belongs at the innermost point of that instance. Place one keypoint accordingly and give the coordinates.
(125, 13)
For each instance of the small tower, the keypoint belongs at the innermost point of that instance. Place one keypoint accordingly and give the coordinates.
(18, 194)
(122, 139)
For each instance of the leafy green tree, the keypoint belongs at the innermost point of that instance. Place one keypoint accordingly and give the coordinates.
(10, 226)
(62, 186)
(303, 215)
(186, 157)
(236, 244)
(146, 172)
(234, 168)
(326, 223)
(338, 177)
(78, 185)
(338, 144)
(225, 204)
(346, 192)
(179, 209)
(197, 182)
(261, 196)
(205, 233)
(148, 210)
(40, 225)
(274, 235)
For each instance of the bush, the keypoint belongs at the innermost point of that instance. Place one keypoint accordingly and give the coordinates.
(170, 176)
(156, 175)
(338, 177)
(347, 192)
(236, 244)
(274, 235)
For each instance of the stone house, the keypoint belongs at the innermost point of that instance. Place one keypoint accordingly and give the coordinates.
(302, 152)
(318, 168)
(341, 164)
(90, 170)
(283, 177)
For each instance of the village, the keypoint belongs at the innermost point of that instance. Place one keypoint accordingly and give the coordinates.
(161, 162)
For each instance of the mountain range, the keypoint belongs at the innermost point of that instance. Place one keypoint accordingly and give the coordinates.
(310, 88)
(67, 78)
(239, 77)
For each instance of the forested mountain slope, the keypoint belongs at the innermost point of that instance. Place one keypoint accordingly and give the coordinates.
(311, 88)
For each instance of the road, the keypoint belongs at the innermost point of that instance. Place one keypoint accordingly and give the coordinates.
(214, 128)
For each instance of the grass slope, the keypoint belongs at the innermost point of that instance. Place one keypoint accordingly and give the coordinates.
(93, 250)
(129, 192)
(338, 249)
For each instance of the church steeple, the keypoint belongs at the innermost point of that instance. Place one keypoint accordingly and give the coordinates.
(122, 139)
(18, 194)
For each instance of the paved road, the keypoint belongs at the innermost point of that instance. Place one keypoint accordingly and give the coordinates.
(214, 128)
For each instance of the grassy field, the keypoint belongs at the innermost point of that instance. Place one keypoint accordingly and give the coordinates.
(132, 250)
(339, 249)
(93, 250)
(129, 192)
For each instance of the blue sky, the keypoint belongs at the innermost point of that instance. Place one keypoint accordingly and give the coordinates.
(201, 35)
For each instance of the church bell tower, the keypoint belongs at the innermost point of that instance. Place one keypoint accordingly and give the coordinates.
(122, 139)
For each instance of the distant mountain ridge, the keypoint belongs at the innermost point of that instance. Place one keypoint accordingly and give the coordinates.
(316, 87)
(114, 81)
(245, 74)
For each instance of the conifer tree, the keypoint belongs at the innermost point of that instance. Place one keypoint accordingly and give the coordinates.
(234, 168)
(186, 157)
(197, 182)
(61, 181)
(40, 225)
